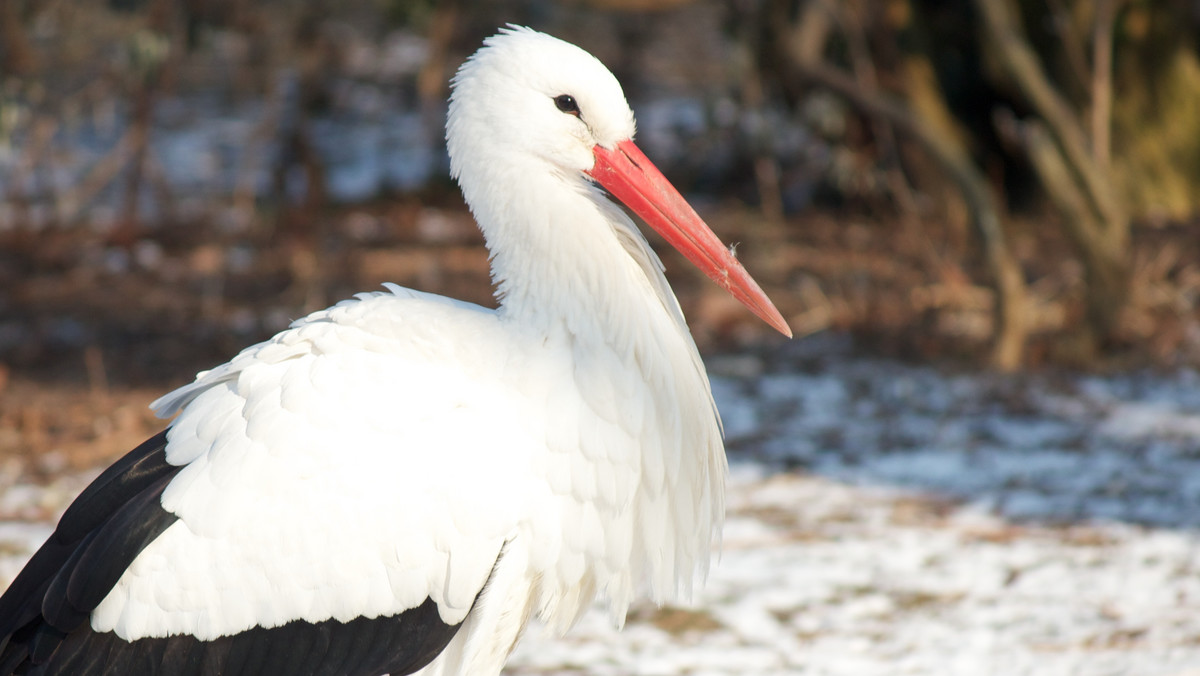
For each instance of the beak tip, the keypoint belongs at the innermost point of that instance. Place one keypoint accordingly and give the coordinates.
(775, 320)
(631, 178)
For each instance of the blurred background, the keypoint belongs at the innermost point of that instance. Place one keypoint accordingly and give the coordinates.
(1005, 185)
(979, 456)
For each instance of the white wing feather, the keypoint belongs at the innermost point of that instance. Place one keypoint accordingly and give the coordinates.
(384, 464)
(382, 467)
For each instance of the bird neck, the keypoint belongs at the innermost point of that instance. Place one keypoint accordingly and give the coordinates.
(570, 271)
(555, 259)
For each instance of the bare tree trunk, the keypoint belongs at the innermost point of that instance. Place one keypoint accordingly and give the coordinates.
(752, 92)
(947, 150)
(1067, 166)
(156, 49)
(1011, 304)
(848, 15)
(129, 223)
(17, 57)
(1023, 66)
(1102, 65)
(431, 80)
(1106, 268)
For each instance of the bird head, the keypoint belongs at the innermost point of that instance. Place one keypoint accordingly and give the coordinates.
(549, 98)
(529, 97)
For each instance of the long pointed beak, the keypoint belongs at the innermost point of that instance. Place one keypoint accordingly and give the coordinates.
(626, 173)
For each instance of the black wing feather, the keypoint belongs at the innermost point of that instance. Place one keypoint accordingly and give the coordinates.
(395, 645)
(43, 614)
(117, 515)
(126, 478)
(136, 524)
(56, 611)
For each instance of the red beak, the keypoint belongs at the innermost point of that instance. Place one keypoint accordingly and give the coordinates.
(626, 173)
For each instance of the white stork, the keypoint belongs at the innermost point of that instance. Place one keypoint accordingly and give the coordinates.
(399, 482)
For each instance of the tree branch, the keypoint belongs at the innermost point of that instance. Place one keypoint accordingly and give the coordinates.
(1102, 64)
(1025, 69)
(1010, 312)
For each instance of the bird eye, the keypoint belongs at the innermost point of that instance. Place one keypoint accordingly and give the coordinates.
(567, 104)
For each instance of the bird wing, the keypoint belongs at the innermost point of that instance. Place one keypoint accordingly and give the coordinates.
(361, 465)
(101, 532)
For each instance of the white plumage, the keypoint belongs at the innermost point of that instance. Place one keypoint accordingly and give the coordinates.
(401, 446)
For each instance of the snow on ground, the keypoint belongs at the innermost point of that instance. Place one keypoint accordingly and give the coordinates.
(895, 519)
(820, 577)
(891, 519)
